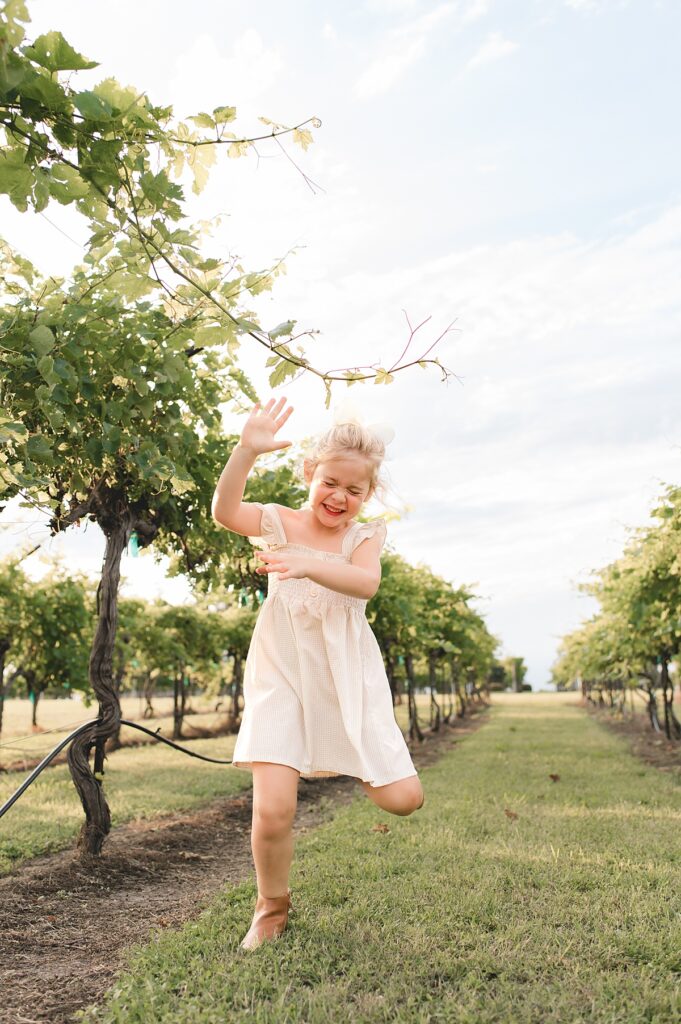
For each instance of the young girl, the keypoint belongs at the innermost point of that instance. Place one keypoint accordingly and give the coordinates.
(317, 699)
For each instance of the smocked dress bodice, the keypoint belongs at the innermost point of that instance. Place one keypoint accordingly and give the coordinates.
(305, 594)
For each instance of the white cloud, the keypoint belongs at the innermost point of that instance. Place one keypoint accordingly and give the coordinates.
(391, 6)
(476, 9)
(383, 72)
(596, 6)
(240, 73)
(494, 47)
(401, 48)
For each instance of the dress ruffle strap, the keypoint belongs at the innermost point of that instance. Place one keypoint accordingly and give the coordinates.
(362, 531)
(271, 527)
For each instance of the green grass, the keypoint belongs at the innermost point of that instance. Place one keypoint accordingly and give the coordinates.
(569, 913)
(139, 782)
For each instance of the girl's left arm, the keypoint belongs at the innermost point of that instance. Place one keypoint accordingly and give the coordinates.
(360, 578)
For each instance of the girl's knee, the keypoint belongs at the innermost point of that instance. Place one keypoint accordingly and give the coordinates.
(273, 819)
(413, 798)
(401, 798)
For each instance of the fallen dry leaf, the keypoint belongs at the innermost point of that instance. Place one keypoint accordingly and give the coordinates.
(510, 814)
(554, 778)
(380, 827)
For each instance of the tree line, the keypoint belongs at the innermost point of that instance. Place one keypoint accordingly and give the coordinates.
(632, 643)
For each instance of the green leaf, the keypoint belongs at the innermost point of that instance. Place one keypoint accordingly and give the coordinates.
(93, 448)
(39, 449)
(66, 185)
(249, 325)
(53, 52)
(202, 120)
(383, 377)
(16, 178)
(37, 85)
(282, 330)
(92, 106)
(181, 486)
(10, 430)
(60, 394)
(42, 339)
(46, 369)
(302, 137)
(224, 114)
(119, 98)
(282, 371)
(237, 149)
(14, 11)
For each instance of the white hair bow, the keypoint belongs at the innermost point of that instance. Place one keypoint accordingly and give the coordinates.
(346, 411)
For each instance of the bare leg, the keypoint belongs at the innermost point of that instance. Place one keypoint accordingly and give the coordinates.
(275, 797)
(402, 797)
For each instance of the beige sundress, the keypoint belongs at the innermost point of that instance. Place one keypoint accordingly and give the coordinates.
(316, 695)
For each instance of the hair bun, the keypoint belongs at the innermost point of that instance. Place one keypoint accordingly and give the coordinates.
(346, 411)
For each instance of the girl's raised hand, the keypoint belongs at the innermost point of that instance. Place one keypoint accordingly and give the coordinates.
(261, 426)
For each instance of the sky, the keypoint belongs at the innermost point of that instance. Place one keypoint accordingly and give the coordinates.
(511, 168)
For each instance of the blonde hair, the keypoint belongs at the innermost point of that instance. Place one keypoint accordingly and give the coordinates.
(351, 437)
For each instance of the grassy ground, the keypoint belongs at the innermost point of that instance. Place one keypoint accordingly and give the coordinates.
(140, 782)
(508, 898)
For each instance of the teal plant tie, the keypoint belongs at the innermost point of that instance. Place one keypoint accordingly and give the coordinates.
(134, 546)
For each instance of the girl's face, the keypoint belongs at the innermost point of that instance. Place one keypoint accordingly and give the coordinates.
(338, 487)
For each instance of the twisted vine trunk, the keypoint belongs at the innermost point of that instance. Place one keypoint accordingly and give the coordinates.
(179, 701)
(4, 647)
(97, 815)
(435, 710)
(389, 661)
(415, 732)
(672, 726)
(237, 681)
(148, 693)
(115, 740)
(456, 687)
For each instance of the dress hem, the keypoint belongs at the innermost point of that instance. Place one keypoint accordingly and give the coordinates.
(319, 773)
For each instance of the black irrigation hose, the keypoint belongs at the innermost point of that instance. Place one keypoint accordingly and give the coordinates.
(171, 743)
(76, 732)
(43, 764)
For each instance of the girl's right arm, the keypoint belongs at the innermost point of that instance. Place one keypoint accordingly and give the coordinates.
(228, 508)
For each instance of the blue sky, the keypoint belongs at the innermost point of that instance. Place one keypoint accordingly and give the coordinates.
(515, 166)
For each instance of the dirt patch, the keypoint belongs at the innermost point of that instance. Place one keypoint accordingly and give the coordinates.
(644, 742)
(161, 873)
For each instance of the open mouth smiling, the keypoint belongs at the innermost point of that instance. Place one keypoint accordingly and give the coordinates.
(332, 511)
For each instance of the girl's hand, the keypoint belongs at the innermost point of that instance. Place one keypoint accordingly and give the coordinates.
(288, 567)
(261, 426)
